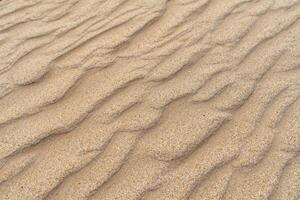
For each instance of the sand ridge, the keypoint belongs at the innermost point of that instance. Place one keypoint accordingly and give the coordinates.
(149, 99)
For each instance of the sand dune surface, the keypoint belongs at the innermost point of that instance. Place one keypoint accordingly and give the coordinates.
(150, 99)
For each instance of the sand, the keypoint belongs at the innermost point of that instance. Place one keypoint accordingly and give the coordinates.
(150, 99)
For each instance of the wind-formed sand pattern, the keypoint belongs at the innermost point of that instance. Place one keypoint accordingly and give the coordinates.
(150, 99)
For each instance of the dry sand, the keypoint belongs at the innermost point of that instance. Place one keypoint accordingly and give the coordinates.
(150, 99)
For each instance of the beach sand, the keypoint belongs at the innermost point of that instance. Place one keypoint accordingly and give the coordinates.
(149, 99)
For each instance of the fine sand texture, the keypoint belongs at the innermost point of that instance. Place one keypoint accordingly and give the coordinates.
(150, 99)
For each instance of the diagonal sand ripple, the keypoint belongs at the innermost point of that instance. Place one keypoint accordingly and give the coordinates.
(149, 99)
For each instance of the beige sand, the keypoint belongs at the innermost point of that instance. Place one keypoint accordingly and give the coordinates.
(150, 99)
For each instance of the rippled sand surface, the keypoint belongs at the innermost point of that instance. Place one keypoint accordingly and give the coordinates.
(150, 99)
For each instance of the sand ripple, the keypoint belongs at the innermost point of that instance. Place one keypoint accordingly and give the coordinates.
(149, 99)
